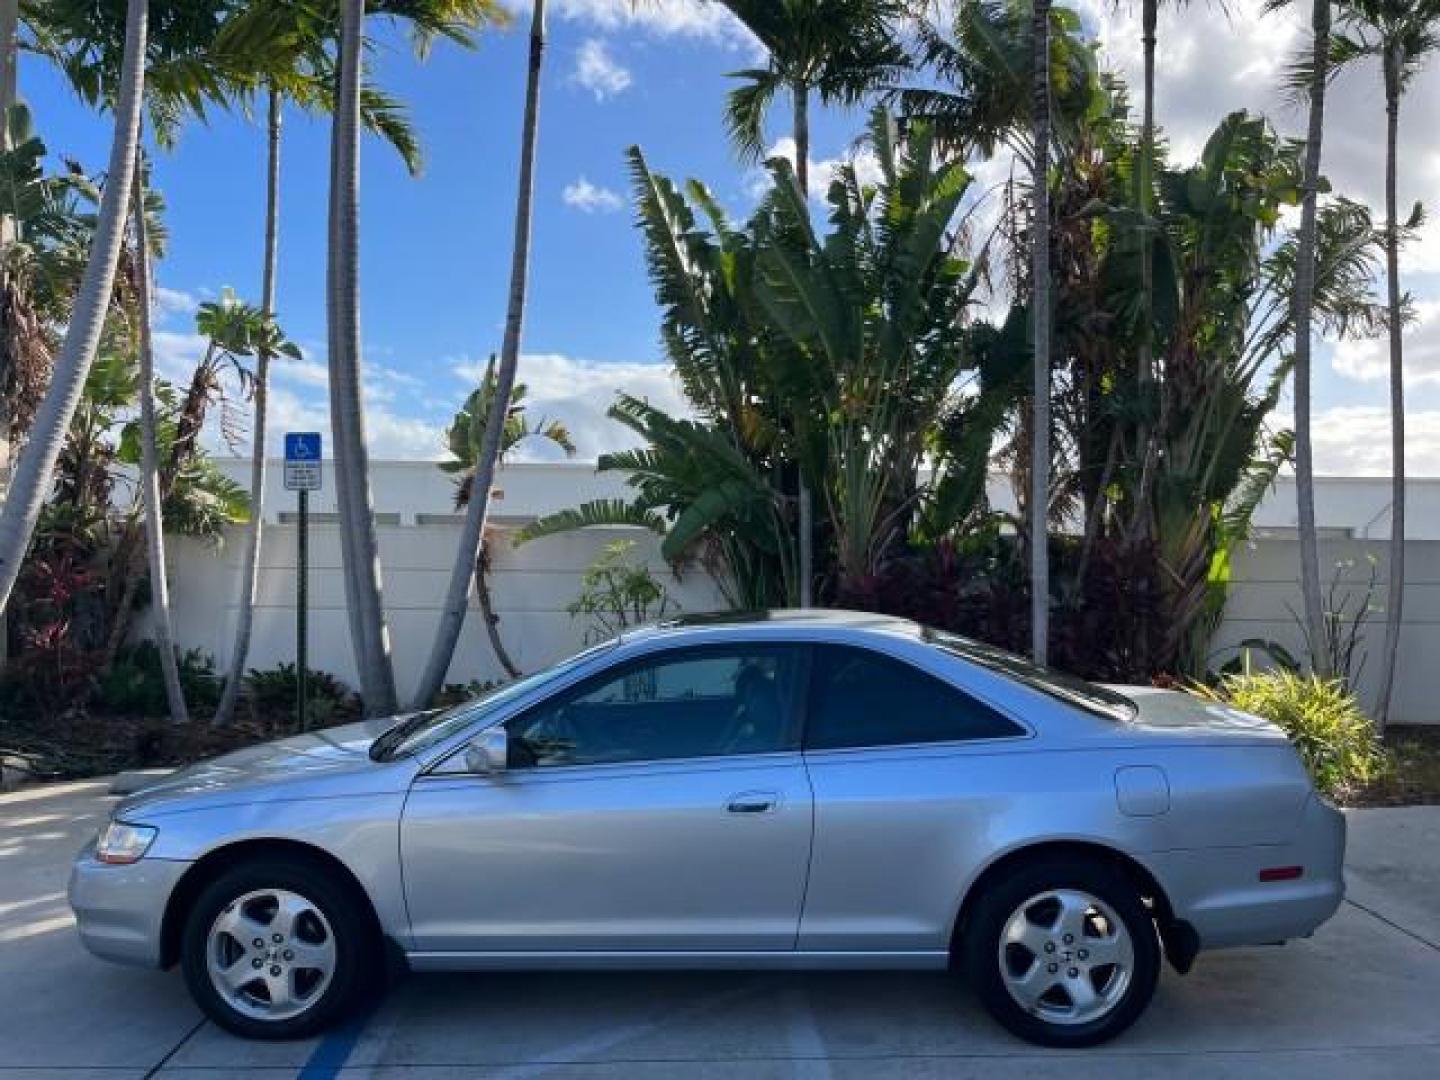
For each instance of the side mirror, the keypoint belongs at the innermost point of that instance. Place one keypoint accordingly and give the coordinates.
(489, 752)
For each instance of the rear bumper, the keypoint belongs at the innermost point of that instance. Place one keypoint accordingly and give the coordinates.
(119, 910)
(1218, 891)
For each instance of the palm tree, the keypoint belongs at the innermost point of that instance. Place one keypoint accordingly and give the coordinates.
(465, 440)
(1031, 84)
(301, 73)
(250, 559)
(31, 482)
(981, 95)
(452, 615)
(1317, 70)
(150, 459)
(289, 48)
(1402, 35)
(839, 51)
(364, 591)
(189, 490)
(1145, 186)
(1040, 304)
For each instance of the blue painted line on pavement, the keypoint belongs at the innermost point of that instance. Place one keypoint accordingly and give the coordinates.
(327, 1059)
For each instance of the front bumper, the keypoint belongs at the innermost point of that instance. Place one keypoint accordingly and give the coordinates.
(120, 910)
(1217, 891)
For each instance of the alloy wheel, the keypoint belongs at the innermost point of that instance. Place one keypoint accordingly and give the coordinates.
(271, 954)
(1066, 957)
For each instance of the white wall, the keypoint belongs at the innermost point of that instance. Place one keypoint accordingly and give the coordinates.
(530, 585)
(533, 584)
(1264, 602)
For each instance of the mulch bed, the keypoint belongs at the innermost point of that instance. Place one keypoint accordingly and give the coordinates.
(1413, 775)
(79, 744)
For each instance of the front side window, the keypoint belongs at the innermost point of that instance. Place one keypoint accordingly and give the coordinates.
(422, 730)
(862, 698)
(696, 703)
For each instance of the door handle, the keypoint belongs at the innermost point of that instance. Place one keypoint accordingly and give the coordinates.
(753, 802)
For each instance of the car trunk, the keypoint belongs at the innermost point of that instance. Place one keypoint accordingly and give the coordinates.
(1188, 716)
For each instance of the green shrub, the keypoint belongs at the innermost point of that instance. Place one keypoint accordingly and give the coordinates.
(134, 686)
(1329, 729)
(272, 696)
(618, 591)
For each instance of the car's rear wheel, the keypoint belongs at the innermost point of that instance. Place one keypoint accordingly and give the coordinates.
(277, 950)
(1063, 952)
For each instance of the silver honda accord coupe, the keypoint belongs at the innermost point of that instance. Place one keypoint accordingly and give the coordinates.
(783, 790)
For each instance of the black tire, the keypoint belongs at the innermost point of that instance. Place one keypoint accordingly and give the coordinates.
(357, 965)
(981, 959)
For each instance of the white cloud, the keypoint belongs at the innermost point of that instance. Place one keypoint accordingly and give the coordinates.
(174, 304)
(578, 393)
(304, 372)
(1355, 441)
(822, 172)
(389, 435)
(591, 198)
(298, 397)
(1369, 360)
(176, 354)
(1207, 63)
(597, 71)
(1421, 254)
(699, 19)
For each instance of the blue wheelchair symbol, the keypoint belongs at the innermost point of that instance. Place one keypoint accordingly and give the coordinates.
(302, 446)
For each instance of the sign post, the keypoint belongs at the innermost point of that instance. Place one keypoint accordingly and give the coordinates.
(302, 476)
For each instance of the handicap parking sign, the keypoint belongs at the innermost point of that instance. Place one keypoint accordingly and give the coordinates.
(302, 461)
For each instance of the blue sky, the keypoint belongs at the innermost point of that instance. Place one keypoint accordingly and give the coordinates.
(436, 250)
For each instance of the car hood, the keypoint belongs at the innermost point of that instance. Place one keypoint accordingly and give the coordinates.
(1189, 716)
(297, 766)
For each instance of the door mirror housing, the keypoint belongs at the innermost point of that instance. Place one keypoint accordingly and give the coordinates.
(489, 752)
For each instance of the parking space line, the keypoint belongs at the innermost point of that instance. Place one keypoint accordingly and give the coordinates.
(329, 1058)
(583, 1051)
(807, 1047)
(155, 1069)
(1393, 924)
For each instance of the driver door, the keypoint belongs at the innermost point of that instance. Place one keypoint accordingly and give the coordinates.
(662, 805)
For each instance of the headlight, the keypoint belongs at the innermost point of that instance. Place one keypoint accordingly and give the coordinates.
(121, 844)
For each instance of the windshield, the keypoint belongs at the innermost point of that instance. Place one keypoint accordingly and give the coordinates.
(426, 729)
(1099, 700)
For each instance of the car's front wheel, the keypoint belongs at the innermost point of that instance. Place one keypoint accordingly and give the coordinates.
(277, 949)
(1063, 952)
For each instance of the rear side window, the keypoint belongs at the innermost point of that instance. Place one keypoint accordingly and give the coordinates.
(862, 698)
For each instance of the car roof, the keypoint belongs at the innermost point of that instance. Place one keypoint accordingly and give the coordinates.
(802, 621)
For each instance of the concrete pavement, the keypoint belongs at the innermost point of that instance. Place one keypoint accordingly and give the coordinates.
(1357, 1000)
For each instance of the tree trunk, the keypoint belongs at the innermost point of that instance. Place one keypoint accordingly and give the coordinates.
(1396, 590)
(806, 499)
(365, 591)
(150, 463)
(1145, 361)
(1304, 306)
(341, 476)
(33, 475)
(487, 612)
(1040, 292)
(457, 596)
(250, 561)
